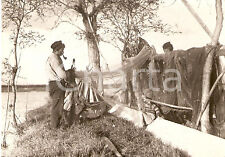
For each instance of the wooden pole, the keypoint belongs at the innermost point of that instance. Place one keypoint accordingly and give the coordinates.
(219, 22)
(199, 20)
(146, 99)
(207, 100)
(205, 123)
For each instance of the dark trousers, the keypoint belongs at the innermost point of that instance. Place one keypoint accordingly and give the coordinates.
(57, 96)
(70, 116)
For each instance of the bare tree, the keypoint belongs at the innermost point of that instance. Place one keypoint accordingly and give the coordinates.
(16, 16)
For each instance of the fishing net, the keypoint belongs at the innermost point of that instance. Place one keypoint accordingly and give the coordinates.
(180, 71)
(178, 78)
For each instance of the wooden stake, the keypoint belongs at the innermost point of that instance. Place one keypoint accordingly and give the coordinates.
(199, 20)
(207, 100)
(205, 122)
(206, 127)
(219, 22)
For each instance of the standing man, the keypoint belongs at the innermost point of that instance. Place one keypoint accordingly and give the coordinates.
(167, 47)
(56, 78)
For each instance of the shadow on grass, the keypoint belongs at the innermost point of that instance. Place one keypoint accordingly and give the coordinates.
(85, 139)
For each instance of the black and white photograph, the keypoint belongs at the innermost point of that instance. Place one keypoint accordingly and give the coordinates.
(112, 78)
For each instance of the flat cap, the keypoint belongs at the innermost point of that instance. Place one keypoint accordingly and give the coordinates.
(57, 45)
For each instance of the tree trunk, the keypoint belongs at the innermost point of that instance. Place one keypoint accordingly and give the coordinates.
(93, 50)
(15, 68)
(205, 122)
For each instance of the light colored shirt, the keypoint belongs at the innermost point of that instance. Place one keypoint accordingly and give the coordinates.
(55, 68)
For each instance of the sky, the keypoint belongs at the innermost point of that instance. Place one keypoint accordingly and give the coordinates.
(33, 59)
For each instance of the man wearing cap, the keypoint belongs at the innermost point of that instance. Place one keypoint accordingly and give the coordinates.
(56, 77)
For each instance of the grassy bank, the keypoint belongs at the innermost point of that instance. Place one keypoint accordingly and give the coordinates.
(85, 139)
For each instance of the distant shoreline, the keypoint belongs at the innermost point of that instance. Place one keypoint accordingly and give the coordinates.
(25, 88)
(44, 87)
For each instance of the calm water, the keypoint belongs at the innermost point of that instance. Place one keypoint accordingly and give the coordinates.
(25, 101)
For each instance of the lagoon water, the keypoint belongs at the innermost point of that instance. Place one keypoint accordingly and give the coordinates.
(26, 101)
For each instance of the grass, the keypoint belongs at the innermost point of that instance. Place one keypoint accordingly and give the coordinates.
(85, 139)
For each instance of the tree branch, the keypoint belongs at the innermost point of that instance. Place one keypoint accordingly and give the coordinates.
(77, 8)
(99, 7)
